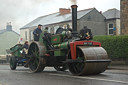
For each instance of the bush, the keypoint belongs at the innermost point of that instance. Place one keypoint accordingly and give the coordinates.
(116, 46)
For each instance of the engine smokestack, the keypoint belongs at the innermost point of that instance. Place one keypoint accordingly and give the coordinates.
(74, 20)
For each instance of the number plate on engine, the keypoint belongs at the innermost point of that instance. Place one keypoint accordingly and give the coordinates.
(88, 43)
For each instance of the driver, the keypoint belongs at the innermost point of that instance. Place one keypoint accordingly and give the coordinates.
(37, 32)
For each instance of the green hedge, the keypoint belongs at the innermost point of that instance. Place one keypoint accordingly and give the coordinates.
(116, 46)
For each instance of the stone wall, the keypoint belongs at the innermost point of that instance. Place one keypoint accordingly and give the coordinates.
(124, 16)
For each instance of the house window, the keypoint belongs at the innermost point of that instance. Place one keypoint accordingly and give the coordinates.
(89, 18)
(110, 29)
(26, 35)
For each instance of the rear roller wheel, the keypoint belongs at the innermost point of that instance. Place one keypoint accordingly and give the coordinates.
(36, 64)
(85, 54)
(13, 63)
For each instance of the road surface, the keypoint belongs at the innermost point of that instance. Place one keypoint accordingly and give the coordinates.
(22, 76)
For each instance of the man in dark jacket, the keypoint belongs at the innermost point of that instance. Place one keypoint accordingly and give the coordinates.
(37, 33)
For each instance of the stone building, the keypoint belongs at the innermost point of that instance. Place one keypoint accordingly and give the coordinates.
(112, 21)
(91, 18)
(124, 16)
(8, 38)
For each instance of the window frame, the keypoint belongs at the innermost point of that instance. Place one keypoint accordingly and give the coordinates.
(110, 28)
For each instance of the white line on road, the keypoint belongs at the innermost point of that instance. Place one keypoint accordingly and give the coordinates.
(90, 78)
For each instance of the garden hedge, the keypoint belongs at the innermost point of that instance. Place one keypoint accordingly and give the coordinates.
(116, 46)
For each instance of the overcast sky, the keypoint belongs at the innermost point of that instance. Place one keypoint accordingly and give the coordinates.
(21, 12)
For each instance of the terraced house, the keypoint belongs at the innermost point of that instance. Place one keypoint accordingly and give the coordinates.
(91, 18)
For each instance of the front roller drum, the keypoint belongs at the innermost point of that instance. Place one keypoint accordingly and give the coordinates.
(93, 60)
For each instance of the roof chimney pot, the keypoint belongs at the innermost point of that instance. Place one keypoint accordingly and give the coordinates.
(63, 11)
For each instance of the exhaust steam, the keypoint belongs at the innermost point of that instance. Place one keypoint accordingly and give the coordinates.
(73, 2)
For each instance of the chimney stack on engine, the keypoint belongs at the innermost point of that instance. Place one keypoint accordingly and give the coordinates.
(74, 20)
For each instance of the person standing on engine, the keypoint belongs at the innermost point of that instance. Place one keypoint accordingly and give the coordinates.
(68, 28)
(46, 30)
(37, 32)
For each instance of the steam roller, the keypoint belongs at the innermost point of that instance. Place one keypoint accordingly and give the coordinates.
(68, 49)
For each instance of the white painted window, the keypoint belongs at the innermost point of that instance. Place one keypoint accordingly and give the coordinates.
(110, 29)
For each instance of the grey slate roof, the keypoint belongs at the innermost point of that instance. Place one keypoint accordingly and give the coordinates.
(4, 30)
(112, 14)
(56, 18)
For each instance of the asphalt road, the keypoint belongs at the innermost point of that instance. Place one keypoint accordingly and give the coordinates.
(49, 76)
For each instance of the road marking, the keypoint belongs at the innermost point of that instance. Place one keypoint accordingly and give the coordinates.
(20, 71)
(3, 84)
(90, 78)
